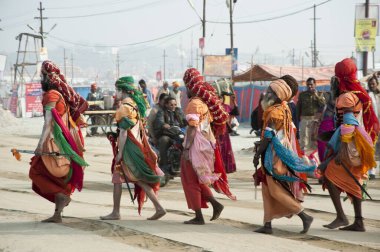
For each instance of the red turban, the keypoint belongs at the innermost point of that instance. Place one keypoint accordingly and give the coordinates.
(200, 88)
(346, 72)
(76, 102)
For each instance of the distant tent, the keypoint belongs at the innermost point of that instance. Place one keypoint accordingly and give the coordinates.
(270, 72)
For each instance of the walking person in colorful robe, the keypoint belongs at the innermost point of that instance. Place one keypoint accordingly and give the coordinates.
(298, 188)
(349, 156)
(224, 142)
(135, 160)
(279, 162)
(201, 163)
(346, 72)
(56, 177)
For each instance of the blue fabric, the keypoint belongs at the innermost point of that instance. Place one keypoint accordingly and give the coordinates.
(334, 143)
(349, 118)
(287, 156)
(149, 96)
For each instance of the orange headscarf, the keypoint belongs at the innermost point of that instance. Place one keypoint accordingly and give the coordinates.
(348, 100)
(176, 84)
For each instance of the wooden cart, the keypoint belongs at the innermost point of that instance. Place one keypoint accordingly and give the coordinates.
(100, 121)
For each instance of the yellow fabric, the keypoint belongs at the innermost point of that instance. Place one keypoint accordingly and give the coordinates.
(367, 152)
(278, 116)
(346, 138)
(126, 110)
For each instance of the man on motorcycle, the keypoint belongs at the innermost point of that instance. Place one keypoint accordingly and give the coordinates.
(167, 128)
(152, 117)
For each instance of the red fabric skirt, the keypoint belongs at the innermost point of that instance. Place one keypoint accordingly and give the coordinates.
(196, 193)
(45, 184)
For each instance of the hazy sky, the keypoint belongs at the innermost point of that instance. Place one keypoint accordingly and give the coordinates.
(135, 21)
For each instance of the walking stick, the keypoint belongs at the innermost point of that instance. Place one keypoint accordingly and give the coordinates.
(17, 155)
(112, 138)
(355, 180)
(257, 144)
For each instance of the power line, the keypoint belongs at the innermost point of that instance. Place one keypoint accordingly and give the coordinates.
(271, 18)
(108, 12)
(124, 45)
(275, 11)
(87, 5)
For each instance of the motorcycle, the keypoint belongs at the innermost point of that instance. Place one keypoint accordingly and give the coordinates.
(177, 136)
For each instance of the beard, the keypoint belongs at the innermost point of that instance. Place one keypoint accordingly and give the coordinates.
(267, 102)
(45, 85)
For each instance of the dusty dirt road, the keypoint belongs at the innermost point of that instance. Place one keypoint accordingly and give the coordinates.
(21, 211)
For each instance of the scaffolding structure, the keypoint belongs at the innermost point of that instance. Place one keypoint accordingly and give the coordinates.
(27, 66)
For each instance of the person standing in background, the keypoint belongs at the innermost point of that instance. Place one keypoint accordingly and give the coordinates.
(176, 93)
(146, 93)
(374, 93)
(310, 104)
(94, 96)
(163, 90)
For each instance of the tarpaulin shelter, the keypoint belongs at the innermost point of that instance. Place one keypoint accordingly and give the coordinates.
(322, 75)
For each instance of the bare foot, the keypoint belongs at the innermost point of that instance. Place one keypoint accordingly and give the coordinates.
(264, 230)
(337, 223)
(218, 208)
(195, 221)
(56, 218)
(358, 226)
(306, 223)
(111, 216)
(157, 215)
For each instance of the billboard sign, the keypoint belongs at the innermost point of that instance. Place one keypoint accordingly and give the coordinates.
(159, 76)
(218, 65)
(365, 34)
(33, 99)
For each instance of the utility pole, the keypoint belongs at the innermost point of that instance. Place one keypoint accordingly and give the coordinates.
(41, 18)
(197, 58)
(191, 51)
(293, 58)
(204, 34)
(117, 65)
(64, 61)
(365, 54)
(315, 39)
(164, 64)
(72, 69)
(232, 40)
(314, 53)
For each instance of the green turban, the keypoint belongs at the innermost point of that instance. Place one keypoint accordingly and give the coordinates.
(126, 84)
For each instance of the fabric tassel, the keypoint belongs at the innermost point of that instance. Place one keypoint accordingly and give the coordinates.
(140, 196)
(221, 185)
